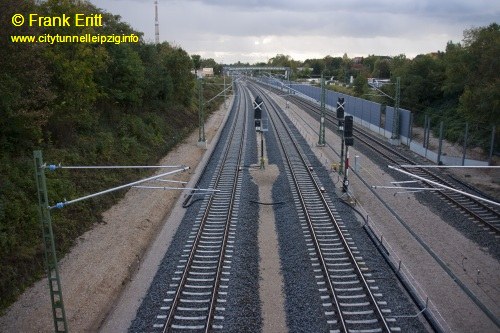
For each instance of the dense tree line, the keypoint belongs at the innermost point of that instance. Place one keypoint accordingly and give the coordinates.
(82, 104)
(459, 85)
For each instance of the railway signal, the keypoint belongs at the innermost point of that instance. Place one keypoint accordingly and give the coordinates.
(257, 112)
(348, 137)
(321, 139)
(340, 112)
(340, 117)
(348, 141)
(258, 104)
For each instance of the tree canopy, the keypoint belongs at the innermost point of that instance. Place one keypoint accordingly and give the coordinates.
(461, 84)
(81, 103)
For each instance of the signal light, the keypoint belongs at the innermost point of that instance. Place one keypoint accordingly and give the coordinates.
(340, 108)
(348, 128)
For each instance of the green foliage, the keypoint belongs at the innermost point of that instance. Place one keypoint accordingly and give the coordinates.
(480, 101)
(196, 58)
(360, 85)
(82, 104)
(459, 85)
(124, 75)
(24, 84)
(210, 63)
(421, 82)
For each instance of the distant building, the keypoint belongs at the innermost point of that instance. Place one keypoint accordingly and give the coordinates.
(377, 83)
(204, 72)
(208, 72)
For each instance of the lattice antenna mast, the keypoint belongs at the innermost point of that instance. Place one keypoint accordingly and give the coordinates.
(157, 25)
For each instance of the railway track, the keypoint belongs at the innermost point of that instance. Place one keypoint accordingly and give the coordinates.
(483, 212)
(348, 295)
(197, 293)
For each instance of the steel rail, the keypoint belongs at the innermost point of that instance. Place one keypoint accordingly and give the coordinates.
(373, 301)
(444, 194)
(226, 230)
(182, 282)
(185, 204)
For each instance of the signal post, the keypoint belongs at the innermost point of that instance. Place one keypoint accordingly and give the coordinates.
(349, 141)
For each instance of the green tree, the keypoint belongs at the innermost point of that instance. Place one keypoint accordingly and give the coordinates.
(421, 81)
(25, 91)
(196, 62)
(360, 84)
(381, 69)
(75, 67)
(456, 70)
(480, 101)
(125, 75)
(178, 65)
(280, 60)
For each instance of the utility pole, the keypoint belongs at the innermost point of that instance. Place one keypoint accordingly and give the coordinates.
(201, 114)
(321, 140)
(157, 24)
(395, 120)
(56, 298)
(224, 75)
(340, 117)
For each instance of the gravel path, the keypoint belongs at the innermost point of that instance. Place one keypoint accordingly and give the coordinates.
(271, 279)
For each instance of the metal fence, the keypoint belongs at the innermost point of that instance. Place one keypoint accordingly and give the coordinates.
(426, 141)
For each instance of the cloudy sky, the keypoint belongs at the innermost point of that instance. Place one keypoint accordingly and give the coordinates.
(256, 30)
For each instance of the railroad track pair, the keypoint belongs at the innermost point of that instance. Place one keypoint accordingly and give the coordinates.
(480, 211)
(198, 291)
(346, 291)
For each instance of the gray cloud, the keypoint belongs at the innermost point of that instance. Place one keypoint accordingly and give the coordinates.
(240, 30)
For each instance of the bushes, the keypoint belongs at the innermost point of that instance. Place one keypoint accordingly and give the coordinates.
(81, 105)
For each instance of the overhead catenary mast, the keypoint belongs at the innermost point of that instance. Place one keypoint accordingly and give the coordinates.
(157, 25)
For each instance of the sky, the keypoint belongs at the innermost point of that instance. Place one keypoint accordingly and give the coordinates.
(256, 30)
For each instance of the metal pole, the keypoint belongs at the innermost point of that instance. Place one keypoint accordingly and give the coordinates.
(465, 142)
(56, 297)
(428, 131)
(65, 203)
(444, 186)
(261, 148)
(440, 142)
(341, 164)
(224, 74)
(411, 127)
(289, 89)
(321, 140)
(425, 135)
(425, 131)
(492, 144)
(201, 136)
(395, 124)
(345, 183)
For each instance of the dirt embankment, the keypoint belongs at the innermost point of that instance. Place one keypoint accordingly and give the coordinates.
(104, 259)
